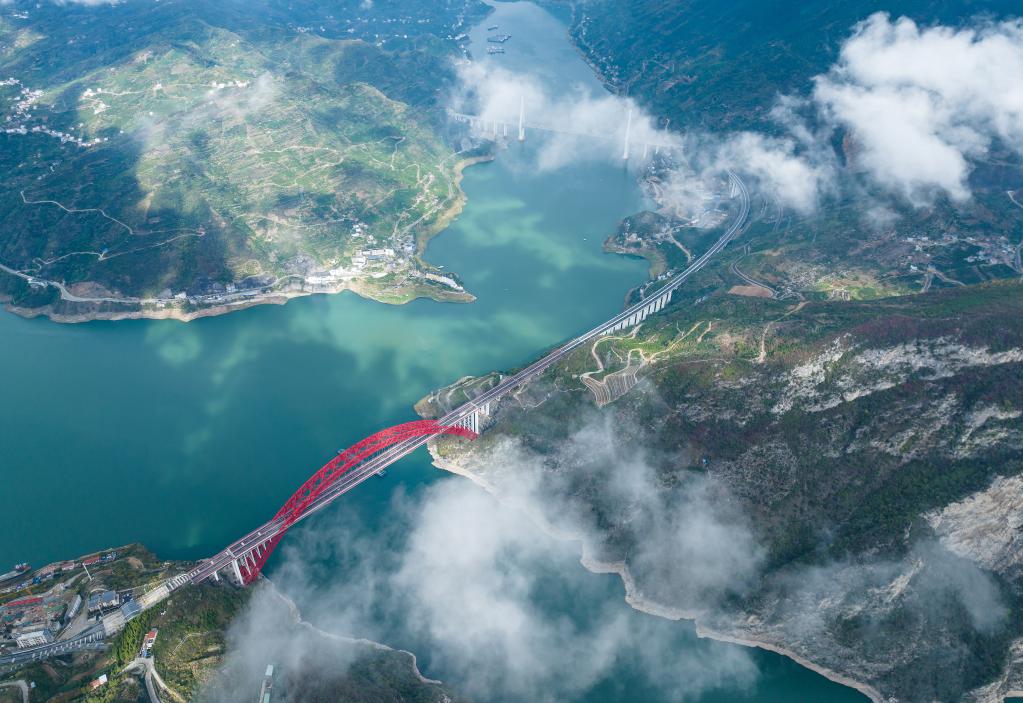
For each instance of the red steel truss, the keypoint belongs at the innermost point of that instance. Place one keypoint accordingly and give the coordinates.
(334, 469)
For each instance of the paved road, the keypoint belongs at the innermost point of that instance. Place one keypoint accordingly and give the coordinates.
(91, 638)
(374, 464)
(147, 667)
(20, 685)
(734, 268)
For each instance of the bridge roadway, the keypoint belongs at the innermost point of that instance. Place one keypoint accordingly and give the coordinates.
(90, 639)
(376, 463)
(485, 128)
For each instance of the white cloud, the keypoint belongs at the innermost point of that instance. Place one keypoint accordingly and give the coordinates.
(468, 581)
(921, 106)
(593, 128)
(794, 173)
(781, 171)
(472, 569)
(588, 127)
(921, 103)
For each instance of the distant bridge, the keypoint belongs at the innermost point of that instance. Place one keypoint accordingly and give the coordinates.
(497, 128)
(242, 560)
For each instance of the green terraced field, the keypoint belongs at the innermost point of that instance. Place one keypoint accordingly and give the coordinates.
(204, 159)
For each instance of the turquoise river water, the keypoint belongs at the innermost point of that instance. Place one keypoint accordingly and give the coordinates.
(183, 436)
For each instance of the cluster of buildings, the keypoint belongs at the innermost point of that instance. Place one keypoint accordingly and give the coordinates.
(26, 101)
(64, 137)
(37, 619)
(988, 251)
(105, 600)
(367, 255)
(22, 109)
(147, 643)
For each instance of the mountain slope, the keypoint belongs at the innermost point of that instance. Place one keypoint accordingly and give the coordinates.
(819, 477)
(722, 65)
(179, 157)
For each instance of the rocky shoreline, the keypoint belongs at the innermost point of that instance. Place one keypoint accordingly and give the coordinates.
(182, 315)
(296, 616)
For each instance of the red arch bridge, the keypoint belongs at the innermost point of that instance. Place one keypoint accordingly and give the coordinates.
(246, 557)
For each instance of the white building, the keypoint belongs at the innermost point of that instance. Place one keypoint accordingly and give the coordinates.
(73, 609)
(102, 601)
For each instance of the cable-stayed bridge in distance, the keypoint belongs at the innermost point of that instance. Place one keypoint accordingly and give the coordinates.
(501, 128)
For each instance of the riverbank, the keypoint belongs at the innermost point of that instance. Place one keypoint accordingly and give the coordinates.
(172, 310)
(414, 286)
(456, 208)
(296, 615)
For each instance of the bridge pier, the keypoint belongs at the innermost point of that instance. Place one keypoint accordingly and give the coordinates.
(628, 129)
(476, 420)
(522, 119)
(653, 306)
(237, 572)
(470, 422)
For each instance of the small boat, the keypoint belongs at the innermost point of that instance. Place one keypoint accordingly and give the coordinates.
(19, 569)
(491, 28)
(495, 50)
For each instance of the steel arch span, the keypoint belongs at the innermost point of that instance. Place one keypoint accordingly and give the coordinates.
(317, 484)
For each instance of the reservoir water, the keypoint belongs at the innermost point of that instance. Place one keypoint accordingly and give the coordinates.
(183, 436)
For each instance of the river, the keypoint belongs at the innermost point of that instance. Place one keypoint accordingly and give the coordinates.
(185, 435)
